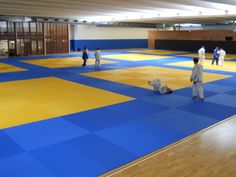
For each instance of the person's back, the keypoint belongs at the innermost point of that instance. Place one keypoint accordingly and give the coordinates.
(222, 54)
(216, 53)
(85, 54)
(215, 56)
(197, 73)
(155, 84)
(87, 51)
(201, 52)
(97, 56)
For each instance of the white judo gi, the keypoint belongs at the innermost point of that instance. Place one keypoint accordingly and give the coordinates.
(201, 53)
(222, 54)
(97, 56)
(196, 77)
(159, 87)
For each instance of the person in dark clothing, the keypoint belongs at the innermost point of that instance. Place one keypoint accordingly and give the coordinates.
(215, 56)
(85, 56)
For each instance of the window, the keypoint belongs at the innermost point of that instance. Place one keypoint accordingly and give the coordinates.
(33, 28)
(26, 27)
(3, 26)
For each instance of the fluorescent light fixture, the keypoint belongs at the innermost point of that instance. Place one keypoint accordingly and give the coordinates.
(27, 19)
(190, 11)
(189, 25)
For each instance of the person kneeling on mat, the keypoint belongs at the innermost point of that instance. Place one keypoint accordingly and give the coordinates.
(159, 87)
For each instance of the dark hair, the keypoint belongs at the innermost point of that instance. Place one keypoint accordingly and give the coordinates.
(195, 60)
(98, 49)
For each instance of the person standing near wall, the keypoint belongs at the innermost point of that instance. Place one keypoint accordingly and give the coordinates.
(97, 56)
(215, 56)
(85, 56)
(222, 54)
(196, 78)
(201, 53)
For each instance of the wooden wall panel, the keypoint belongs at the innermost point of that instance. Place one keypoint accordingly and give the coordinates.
(151, 40)
(35, 38)
(216, 35)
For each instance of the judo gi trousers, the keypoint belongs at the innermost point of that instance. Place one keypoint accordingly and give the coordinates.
(85, 61)
(201, 60)
(97, 64)
(198, 89)
(221, 61)
(215, 59)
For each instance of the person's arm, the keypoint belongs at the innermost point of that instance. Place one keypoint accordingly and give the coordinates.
(151, 83)
(195, 73)
(99, 55)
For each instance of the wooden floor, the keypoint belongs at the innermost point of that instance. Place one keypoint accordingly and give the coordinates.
(209, 153)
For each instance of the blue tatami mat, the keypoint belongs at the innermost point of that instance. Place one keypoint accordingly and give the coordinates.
(95, 141)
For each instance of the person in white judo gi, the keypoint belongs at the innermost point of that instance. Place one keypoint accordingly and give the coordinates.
(196, 78)
(159, 87)
(222, 55)
(97, 56)
(201, 53)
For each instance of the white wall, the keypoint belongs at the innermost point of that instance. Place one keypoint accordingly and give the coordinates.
(89, 32)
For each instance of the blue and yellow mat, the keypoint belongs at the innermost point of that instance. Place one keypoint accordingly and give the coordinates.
(58, 119)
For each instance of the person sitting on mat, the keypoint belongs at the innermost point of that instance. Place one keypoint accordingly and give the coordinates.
(159, 87)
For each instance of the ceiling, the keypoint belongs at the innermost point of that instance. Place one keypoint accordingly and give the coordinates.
(149, 11)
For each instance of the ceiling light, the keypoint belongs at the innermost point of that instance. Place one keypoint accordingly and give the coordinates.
(188, 25)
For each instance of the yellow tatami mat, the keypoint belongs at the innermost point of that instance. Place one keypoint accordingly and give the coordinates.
(63, 62)
(159, 52)
(174, 78)
(210, 56)
(33, 100)
(228, 65)
(162, 52)
(5, 68)
(134, 57)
